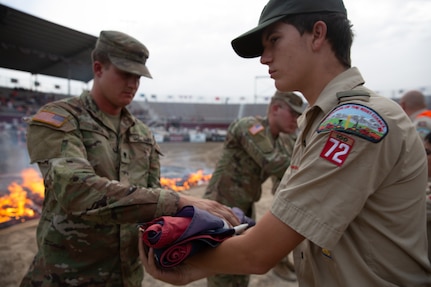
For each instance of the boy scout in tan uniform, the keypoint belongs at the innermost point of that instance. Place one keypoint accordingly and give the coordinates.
(351, 205)
(329, 162)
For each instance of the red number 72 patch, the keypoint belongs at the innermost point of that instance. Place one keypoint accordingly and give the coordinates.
(337, 148)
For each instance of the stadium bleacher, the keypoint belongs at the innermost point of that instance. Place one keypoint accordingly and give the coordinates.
(177, 121)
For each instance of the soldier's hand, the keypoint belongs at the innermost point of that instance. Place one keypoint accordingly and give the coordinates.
(211, 206)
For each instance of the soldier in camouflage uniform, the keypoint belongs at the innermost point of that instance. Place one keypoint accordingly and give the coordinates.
(102, 176)
(285, 268)
(253, 151)
(288, 139)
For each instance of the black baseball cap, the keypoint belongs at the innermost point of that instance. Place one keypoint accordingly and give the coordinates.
(249, 44)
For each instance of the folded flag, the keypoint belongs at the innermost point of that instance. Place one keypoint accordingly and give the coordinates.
(190, 230)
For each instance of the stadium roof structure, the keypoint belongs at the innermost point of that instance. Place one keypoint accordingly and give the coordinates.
(37, 46)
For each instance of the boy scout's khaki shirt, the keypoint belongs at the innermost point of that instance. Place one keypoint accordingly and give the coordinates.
(355, 191)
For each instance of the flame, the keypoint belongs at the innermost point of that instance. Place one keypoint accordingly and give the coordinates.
(33, 181)
(17, 204)
(24, 200)
(179, 184)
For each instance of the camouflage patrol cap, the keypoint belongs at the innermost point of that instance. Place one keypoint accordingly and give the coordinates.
(249, 44)
(125, 52)
(293, 100)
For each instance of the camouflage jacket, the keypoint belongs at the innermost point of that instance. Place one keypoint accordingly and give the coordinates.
(98, 185)
(289, 142)
(250, 155)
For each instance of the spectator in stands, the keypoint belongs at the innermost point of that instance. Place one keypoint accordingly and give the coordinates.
(414, 104)
(357, 175)
(253, 152)
(101, 172)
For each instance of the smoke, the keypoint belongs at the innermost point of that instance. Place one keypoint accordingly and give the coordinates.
(14, 156)
(182, 158)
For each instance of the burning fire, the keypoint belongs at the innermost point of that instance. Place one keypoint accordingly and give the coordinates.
(24, 200)
(18, 204)
(181, 184)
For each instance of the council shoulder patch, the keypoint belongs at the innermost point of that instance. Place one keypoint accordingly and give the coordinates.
(357, 120)
(49, 118)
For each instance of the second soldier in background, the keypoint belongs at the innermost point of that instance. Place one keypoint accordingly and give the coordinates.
(253, 152)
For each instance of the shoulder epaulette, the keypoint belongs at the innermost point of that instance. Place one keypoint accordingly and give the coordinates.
(356, 94)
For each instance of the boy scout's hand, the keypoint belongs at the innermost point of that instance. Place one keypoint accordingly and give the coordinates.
(211, 206)
(179, 275)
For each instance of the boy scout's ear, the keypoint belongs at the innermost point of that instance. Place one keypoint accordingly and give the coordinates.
(319, 34)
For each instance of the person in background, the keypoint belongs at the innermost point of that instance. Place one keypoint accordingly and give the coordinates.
(288, 140)
(285, 268)
(253, 152)
(357, 174)
(414, 104)
(101, 173)
(427, 144)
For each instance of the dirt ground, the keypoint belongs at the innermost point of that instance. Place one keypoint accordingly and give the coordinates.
(18, 246)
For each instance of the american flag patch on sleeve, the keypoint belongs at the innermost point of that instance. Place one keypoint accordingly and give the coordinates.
(49, 118)
(255, 129)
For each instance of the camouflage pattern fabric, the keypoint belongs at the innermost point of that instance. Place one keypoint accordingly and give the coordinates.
(98, 185)
(289, 142)
(228, 280)
(250, 156)
(125, 52)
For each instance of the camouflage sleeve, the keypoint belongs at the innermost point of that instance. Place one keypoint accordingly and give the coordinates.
(257, 144)
(71, 182)
(154, 170)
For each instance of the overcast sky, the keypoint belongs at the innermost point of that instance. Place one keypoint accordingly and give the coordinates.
(191, 54)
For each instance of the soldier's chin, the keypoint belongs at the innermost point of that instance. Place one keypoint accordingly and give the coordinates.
(127, 97)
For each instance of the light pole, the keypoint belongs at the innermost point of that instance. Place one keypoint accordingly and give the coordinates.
(256, 78)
